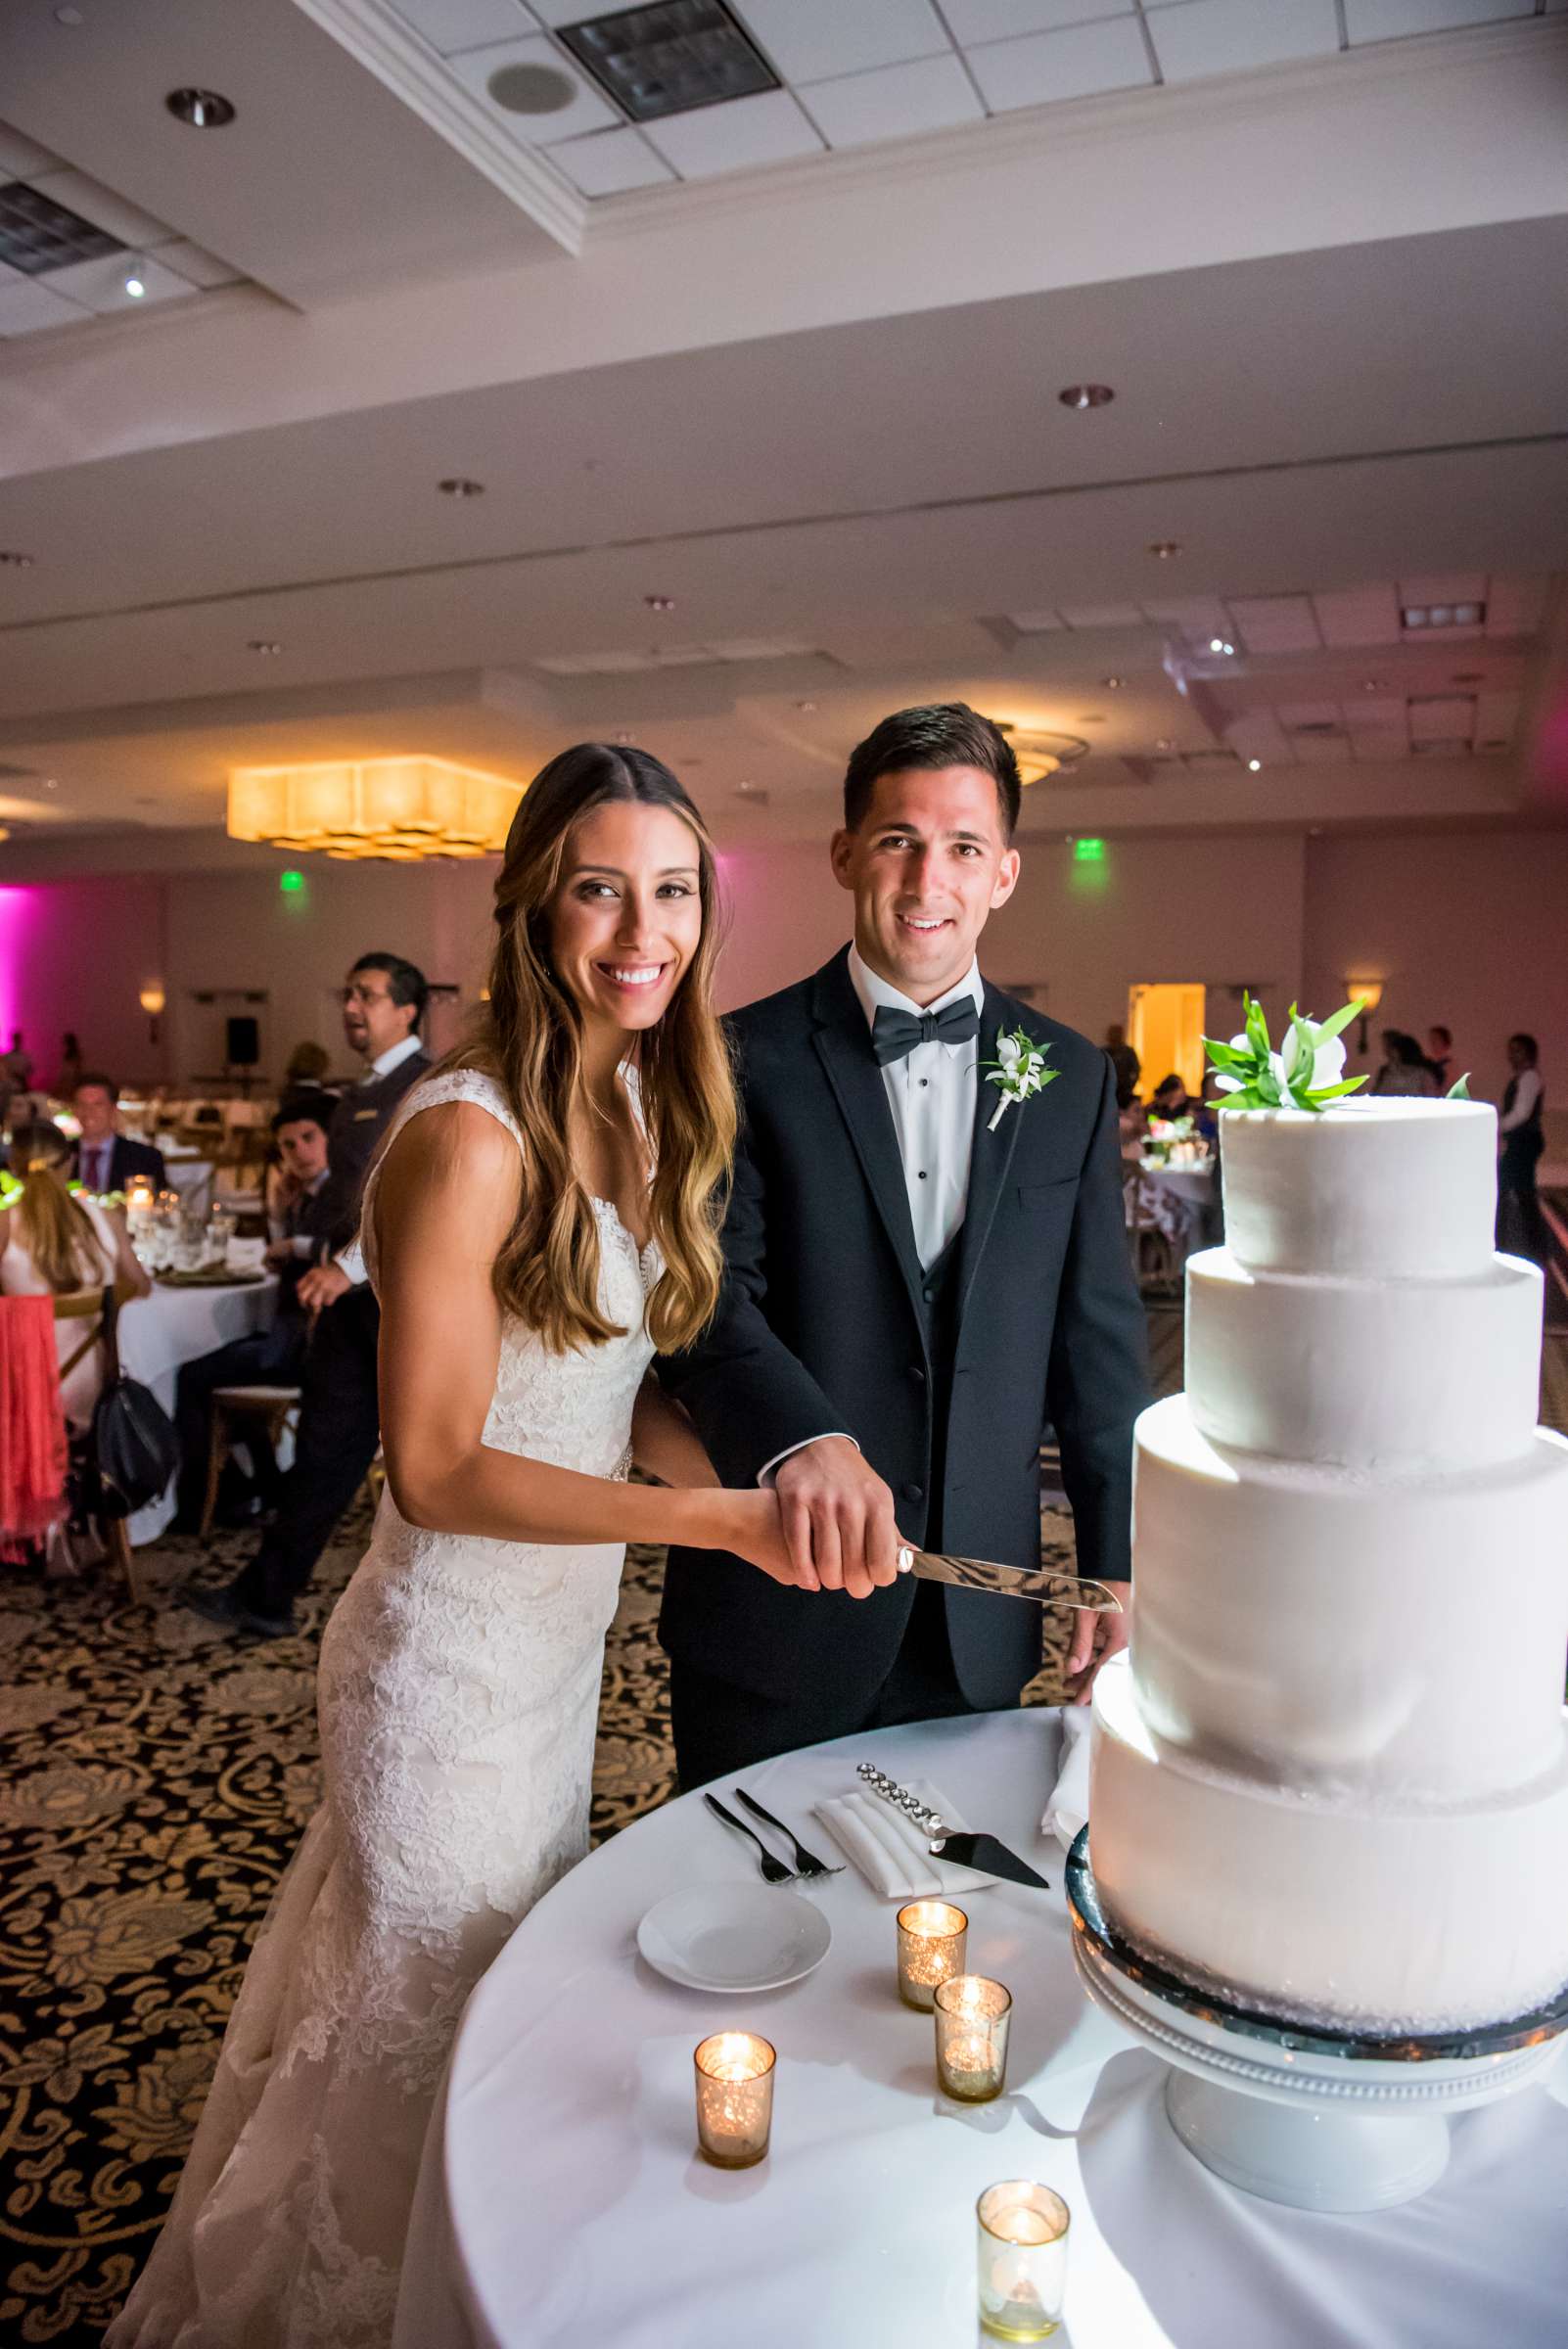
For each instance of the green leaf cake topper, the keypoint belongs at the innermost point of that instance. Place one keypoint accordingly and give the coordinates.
(1303, 1074)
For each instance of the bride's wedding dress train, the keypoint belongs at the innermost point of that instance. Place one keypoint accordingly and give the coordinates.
(459, 1686)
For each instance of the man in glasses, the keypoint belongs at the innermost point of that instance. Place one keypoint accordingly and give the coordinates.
(340, 1427)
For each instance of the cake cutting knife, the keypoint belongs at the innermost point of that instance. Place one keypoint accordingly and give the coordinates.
(1010, 1582)
(982, 1852)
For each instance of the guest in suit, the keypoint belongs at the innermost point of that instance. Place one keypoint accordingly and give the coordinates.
(916, 1287)
(105, 1159)
(1439, 1056)
(274, 1357)
(339, 1422)
(1521, 1139)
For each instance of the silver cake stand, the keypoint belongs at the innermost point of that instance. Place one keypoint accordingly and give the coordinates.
(1318, 2121)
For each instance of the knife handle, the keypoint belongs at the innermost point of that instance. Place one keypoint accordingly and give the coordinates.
(929, 1822)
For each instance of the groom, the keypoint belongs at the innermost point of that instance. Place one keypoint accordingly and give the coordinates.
(916, 1288)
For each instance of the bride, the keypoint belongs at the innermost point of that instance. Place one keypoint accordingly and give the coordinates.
(543, 1218)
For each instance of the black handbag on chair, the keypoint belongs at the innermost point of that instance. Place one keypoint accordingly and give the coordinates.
(132, 1449)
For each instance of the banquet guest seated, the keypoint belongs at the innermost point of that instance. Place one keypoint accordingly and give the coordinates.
(105, 1159)
(1404, 1073)
(307, 1068)
(54, 1245)
(1172, 1099)
(340, 1420)
(298, 1222)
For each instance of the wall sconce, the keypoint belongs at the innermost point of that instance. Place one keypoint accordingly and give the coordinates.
(1370, 992)
(153, 999)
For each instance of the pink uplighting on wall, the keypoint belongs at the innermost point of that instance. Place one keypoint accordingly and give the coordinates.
(18, 907)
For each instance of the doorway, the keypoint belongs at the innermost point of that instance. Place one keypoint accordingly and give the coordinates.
(1165, 1028)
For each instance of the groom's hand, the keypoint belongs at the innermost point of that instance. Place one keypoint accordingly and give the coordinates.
(1095, 1638)
(838, 1517)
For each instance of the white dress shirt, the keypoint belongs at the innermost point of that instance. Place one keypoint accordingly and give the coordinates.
(931, 1093)
(352, 1262)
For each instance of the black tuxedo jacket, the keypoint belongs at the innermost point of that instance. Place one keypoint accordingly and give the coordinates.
(821, 1327)
(358, 1125)
(127, 1159)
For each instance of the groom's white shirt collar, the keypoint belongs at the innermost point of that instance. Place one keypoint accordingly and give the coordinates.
(875, 993)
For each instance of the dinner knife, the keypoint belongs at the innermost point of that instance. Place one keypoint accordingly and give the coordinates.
(978, 1851)
(1010, 1582)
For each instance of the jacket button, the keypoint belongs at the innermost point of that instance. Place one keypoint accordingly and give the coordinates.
(915, 1492)
(917, 1374)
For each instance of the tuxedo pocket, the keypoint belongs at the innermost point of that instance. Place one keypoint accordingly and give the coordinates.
(1036, 1195)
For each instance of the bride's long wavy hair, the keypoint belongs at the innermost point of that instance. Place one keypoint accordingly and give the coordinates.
(530, 1038)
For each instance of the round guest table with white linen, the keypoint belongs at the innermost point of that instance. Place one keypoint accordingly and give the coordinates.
(563, 2202)
(173, 1326)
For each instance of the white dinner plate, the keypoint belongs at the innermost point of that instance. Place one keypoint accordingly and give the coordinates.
(734, 1937)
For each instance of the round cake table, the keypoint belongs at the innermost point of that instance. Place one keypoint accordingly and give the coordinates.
(562, 2200)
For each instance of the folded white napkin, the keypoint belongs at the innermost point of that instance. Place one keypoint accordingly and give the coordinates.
(889, 1850)
(1068, 1808)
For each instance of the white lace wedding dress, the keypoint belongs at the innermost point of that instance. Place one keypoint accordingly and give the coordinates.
(458, 1695)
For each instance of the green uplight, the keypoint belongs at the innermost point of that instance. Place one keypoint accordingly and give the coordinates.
(1088, 851)
(291, 883)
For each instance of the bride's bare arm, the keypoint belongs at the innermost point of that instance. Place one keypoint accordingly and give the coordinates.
(664, 1442)
(445, 1201)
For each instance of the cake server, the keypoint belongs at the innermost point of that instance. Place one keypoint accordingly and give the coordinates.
(982, 1852)
(1011, 1581)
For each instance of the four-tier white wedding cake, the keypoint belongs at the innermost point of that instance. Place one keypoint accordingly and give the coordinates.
(1331, 1777)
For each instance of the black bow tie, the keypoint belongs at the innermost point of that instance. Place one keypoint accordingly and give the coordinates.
(895, 1034)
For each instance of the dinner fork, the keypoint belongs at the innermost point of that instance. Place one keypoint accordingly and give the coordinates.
(773, 1870)
(806, 1862)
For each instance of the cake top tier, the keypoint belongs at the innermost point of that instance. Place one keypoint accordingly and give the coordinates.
(1377, 1189)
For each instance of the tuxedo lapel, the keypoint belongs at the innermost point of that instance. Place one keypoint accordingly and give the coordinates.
(990, 1156)
(843, 1043)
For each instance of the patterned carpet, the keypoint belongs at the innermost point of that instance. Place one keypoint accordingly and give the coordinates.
(154, 1780)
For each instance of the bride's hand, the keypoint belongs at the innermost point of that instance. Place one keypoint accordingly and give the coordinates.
(756, 1533)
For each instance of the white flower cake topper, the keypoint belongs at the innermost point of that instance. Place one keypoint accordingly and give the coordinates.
(1019, 1069)
(1306, 1073)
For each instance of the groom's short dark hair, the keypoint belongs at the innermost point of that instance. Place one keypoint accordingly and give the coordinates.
(935, 734)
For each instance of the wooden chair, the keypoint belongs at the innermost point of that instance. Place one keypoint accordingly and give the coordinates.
(87, 1305)
(232, 1406)
(1153, 1257)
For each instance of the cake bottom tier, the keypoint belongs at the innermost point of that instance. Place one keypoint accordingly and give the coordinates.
(1394, 1921)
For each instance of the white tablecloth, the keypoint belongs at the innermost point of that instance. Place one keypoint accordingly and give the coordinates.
(157, 1333)
(562, 2201)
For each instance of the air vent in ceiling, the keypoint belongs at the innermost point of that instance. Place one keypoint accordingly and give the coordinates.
(37, 235)
(668, 58)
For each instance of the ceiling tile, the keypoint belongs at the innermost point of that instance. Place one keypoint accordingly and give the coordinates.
(101, 284)
(19, 159)
(1391, 20)
(1001, 19)
(102, 207)
(765, 130)
(1495, 717)
(1075, 64)
(1515, 604)
(451, 24)
(586, 110)
(1193, 615)
(25, 305)
(1229, 37)
(893, 103)
(1035, 623)
(196, 264)
(1321, 750)
(1292, 714)
(1444, 587)
(1377, 714)
(1355, 616)
(1276, 623)
(1388, 742)
(607, 162)
(813, 40)
(1443, 717)
(1102, 615)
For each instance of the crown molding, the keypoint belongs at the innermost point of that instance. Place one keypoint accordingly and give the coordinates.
(372, 31)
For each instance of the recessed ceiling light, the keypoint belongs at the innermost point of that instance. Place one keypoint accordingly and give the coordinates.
(1441, 615)
(134, 282)
(1086, 396)
(50, 783)
(531, 89)
(67, 16)
(1164, 743)
(625, 737)
(1255, 766)
(1165, 548)
(15, 560)
(1113, 684)
(261, 644)
(201, 110)
(659, 603)
(1371, 684)
(807, 706)
(459, 484)
(668, 58)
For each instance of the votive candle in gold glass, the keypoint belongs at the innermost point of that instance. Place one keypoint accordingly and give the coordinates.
(931, 1948)
(1022, 2252)
(734, 2098)
(972, 2017)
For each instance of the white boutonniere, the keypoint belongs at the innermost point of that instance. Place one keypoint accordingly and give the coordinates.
(1018, 1070)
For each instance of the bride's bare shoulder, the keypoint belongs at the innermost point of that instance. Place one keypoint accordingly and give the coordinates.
(452, 1145)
